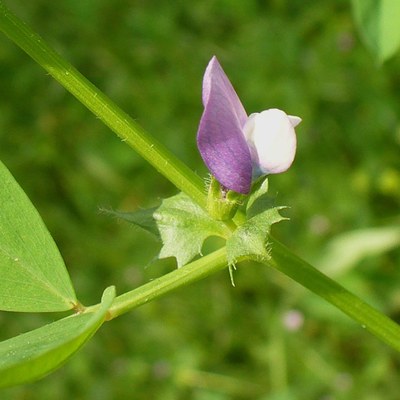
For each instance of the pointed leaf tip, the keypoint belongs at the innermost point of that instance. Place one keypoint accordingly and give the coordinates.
(33, 276)
(250, 240)
(34, 354)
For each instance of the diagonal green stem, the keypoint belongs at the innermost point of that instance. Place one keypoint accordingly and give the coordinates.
(306, 275)
(282, 260)
(190, 273)
(99, 104)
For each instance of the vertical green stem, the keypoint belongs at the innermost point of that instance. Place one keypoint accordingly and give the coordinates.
(117, 120)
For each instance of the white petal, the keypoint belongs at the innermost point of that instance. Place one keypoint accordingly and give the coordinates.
(294, 120)
(272, 140)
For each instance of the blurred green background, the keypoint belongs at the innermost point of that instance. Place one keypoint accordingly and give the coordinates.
(266, 338)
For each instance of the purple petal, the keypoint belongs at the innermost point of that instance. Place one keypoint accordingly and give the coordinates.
(220, 137)
(215, 79)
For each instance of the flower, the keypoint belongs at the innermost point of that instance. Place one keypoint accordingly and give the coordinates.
(237, 148)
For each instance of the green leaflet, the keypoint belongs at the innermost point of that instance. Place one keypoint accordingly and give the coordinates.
(32, 355)
(378, 22)
(141, 218)
(259, 200)
(183, 226)
(250, 239)
(33, 277)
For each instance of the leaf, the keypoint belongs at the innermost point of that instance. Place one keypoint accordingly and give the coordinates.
(183, 227)
(378, 22)
(259, 200)
(348, 249)
(32, 355)
(249, 239)
(33, 276)
(141, 218)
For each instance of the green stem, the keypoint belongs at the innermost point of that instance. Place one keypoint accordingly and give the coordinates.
(306, 275)
(190, 273)
(117, 120)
